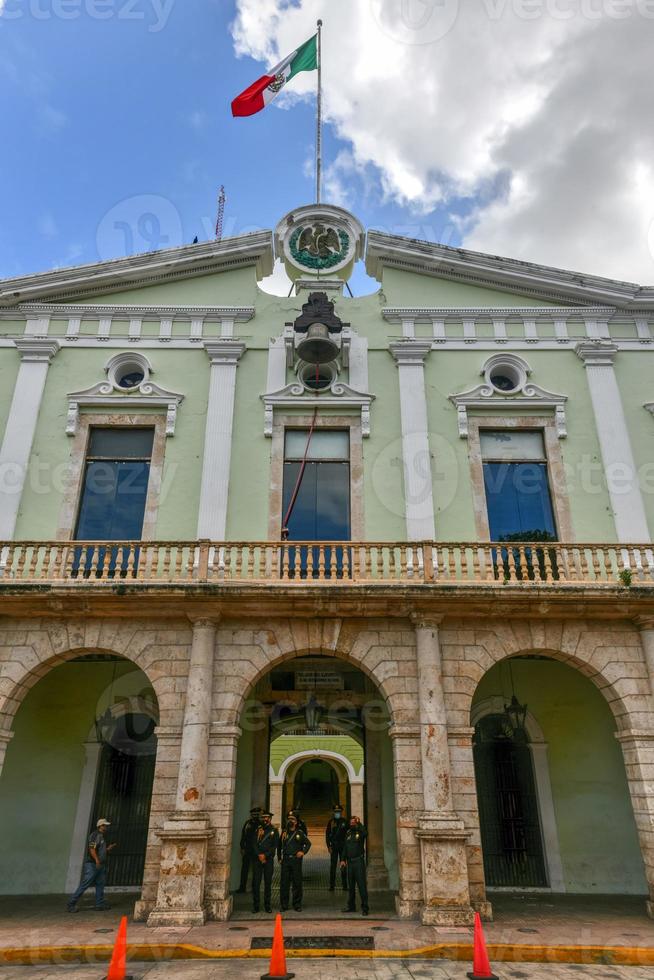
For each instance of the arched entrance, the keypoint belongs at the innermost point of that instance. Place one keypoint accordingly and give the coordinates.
(315, 732)
(554, 806)
(83, 747)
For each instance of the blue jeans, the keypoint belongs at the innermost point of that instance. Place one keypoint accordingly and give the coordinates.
(91, 875)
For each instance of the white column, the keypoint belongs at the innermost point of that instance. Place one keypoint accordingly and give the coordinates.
(615, 445)
(224, 356)
(418, 494)
(35, 356)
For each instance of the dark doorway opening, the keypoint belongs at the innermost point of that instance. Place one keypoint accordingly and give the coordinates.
(123, 795)
(508, 808)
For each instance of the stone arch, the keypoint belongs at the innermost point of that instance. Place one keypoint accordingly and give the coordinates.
(611, 658)
(26, 657)
(390, 664)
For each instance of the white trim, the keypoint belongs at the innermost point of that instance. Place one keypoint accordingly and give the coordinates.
(527, 395)
(409, 355)
(615, 445)
(105, 395)
(123, 311)
(280, 778)
(546, 813)
(224, 356)
(35, 356)
(295, 395)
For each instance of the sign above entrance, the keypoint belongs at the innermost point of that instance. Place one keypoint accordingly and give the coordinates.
(318, 680)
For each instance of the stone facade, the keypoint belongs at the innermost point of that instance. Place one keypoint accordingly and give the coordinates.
(440, 863)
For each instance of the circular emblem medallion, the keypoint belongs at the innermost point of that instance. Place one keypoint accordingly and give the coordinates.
(319, 246)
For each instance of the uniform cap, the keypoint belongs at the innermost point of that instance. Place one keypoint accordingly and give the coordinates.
(255, 809)
(103, 823)
(267, 813)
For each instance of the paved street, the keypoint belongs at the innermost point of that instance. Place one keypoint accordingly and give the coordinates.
(343, 969)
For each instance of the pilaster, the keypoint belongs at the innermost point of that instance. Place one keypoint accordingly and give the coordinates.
(638, 751)
(224, 355)
(615, 445)
(186, 834)
(377, 872)
(410, 355)
(5, 739)
(35, 356)
(441, 832)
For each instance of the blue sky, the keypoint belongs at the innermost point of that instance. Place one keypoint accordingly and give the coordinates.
(119, 134)
(485, 123)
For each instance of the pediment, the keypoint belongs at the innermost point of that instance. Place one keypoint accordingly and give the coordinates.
(339, 395)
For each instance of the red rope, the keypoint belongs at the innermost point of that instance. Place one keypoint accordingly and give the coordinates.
(303, 466)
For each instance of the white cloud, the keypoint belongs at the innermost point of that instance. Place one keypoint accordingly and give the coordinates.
(278, 283)
(535, 114)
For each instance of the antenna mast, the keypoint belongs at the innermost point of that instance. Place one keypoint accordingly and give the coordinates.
(221, 213)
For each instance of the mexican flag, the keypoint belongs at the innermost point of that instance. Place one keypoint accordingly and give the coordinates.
(260, 93)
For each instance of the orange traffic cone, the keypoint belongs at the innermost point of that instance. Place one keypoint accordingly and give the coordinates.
(117, 965)
(481, 968)
(277, 968)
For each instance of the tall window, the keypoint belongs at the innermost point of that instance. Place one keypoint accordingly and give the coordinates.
(517, 488)
(112, 504)
(316, 498)
(321, 511)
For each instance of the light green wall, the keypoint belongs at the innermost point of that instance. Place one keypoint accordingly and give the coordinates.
(595, 821)
(285, 746)
(41, 777)
(413, 289)
(9, 364)
(236, 288)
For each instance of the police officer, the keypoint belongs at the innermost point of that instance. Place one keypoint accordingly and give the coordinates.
(264, 849)
(293, 845)
(248, 835)
(354, 846)
(334, 838)
(300, 822)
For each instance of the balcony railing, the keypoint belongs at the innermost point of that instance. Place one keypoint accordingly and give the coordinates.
(335, 563)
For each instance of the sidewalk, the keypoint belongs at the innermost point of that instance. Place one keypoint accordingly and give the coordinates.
(526, 928)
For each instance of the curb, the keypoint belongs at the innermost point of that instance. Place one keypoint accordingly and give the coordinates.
(499, 952)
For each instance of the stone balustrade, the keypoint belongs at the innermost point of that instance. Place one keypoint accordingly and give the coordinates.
(89, 564)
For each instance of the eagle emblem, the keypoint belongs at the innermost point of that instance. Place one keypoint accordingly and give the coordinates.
(277, 83)
(320, 241)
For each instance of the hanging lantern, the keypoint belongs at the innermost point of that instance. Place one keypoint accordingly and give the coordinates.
(516, 715)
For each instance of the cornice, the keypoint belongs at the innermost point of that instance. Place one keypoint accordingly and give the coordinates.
(147, 268)
(395, 314)
(445, 262)
(89, 311)
(596, 354)
(224, 351)
(295, 395)
(38, 349)
(410, 351)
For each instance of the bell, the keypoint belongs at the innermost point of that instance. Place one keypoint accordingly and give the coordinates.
(317, 346)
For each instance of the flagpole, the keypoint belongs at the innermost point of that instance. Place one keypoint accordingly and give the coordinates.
(319, 119)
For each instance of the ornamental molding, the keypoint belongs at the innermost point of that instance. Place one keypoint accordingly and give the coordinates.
(410, 351)
(89, 311)
(107, 395)
(185, 262)
(295, 395)
(596, 354)
(319, 238)
(36, 349)
(396, 314)
(526, 395)
(224, 351)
